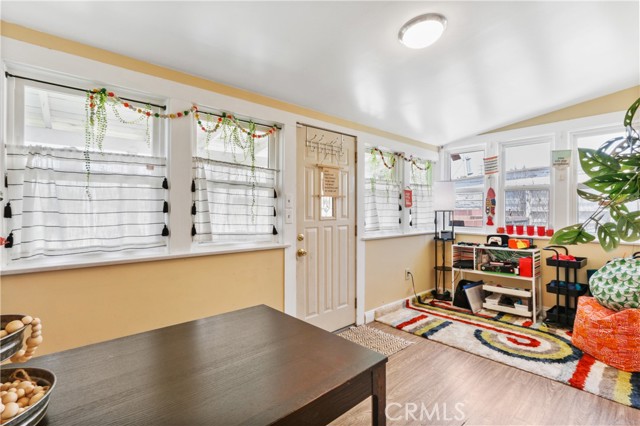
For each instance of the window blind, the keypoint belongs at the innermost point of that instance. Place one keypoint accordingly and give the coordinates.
(55, 211)
(233, 202)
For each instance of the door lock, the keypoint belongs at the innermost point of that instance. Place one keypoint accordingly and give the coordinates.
(302, 252)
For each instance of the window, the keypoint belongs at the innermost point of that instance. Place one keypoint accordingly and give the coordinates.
(56, 118)
(55, 207)
(527, 179)
(421, 213)
(382, 191)
(467, 172)
(593, 140)
(234, 182)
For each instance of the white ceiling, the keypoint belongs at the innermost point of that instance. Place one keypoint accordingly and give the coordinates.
(497, 62)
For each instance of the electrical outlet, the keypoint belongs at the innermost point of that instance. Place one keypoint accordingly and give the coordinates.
(407, 273)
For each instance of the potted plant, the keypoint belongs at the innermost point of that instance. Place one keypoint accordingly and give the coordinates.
(614, 181)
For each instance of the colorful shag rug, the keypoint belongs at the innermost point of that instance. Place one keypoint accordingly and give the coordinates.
(510, 340)
(376, 340)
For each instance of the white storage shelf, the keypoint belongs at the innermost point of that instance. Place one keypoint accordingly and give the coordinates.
(507, 290)
(507, 309)
(533, 293)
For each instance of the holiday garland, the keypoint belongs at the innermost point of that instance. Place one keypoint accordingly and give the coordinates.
(235, 136)
(410, 159)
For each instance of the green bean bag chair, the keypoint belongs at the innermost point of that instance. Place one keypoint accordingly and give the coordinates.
(617, 284)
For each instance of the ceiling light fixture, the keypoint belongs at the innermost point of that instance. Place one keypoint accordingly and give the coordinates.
(422, 31)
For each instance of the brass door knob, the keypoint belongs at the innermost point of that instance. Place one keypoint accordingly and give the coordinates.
(302, 252)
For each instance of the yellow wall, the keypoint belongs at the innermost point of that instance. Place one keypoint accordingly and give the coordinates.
(385, 262)
(618, 101)
(596, 256)
(89, 305)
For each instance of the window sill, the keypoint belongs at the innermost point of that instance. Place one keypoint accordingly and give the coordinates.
(395, 235)
(535, 237)
(208, 250)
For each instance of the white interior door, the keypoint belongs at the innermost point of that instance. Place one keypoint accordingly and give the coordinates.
(326, 252)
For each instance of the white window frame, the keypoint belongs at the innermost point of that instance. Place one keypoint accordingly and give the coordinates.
(575, 159)
(408, 184)
(15, 124)
(274, 154)
(400, 173)
(15, 120)
(447, 160)
(504, 187)
(573, 137)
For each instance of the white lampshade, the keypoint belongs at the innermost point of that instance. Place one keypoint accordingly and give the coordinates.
(444, 197)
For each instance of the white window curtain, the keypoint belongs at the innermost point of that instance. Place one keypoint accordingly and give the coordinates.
(233, 202)
(422, 215)
(55, 211)
(383, 210)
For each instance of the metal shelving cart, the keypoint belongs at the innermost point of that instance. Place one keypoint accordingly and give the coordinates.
(570, 288)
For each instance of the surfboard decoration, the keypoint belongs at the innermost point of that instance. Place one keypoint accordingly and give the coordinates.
(490, 206)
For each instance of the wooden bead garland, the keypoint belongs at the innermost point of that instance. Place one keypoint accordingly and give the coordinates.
(32, 342)
(18, 394)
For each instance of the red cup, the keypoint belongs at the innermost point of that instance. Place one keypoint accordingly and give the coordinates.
(500, 230)
(520, 229)
(550, 232)
(541, 231)
(509, 229)
(531, 230)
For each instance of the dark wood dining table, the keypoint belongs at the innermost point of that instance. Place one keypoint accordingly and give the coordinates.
(254, 366)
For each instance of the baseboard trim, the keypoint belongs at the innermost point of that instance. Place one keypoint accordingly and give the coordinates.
(370, 316)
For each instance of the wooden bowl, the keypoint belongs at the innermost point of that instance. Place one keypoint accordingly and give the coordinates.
(35, 413)
(12, 343)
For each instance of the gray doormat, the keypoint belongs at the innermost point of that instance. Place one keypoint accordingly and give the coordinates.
(376, 340)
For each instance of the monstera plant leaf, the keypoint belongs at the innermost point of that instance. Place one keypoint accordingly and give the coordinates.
(617, 210)
(628, 117)
(613, 183)
(589, 196)
(574, 234)
(629, 160)
(629, 226)
(614, 173)
(608, 236)
(596, 163)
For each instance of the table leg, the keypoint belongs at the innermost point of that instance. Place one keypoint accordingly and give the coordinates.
(379, 396)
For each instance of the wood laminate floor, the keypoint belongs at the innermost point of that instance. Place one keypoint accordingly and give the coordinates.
(429, 383)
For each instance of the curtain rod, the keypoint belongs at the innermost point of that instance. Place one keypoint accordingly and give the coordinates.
(243, 121)
(8, 74)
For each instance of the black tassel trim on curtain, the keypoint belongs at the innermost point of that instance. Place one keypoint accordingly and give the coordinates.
(193, 208)
(399, 208)
(193, 185)
(6, 181)
(411, 223)
(275, 194)
(165, 183)
(275, 231)
(165, 207)
(193, 230)
(400, 221)
(274, 212)
(7, 211)
(9, 241)
(165, 231)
